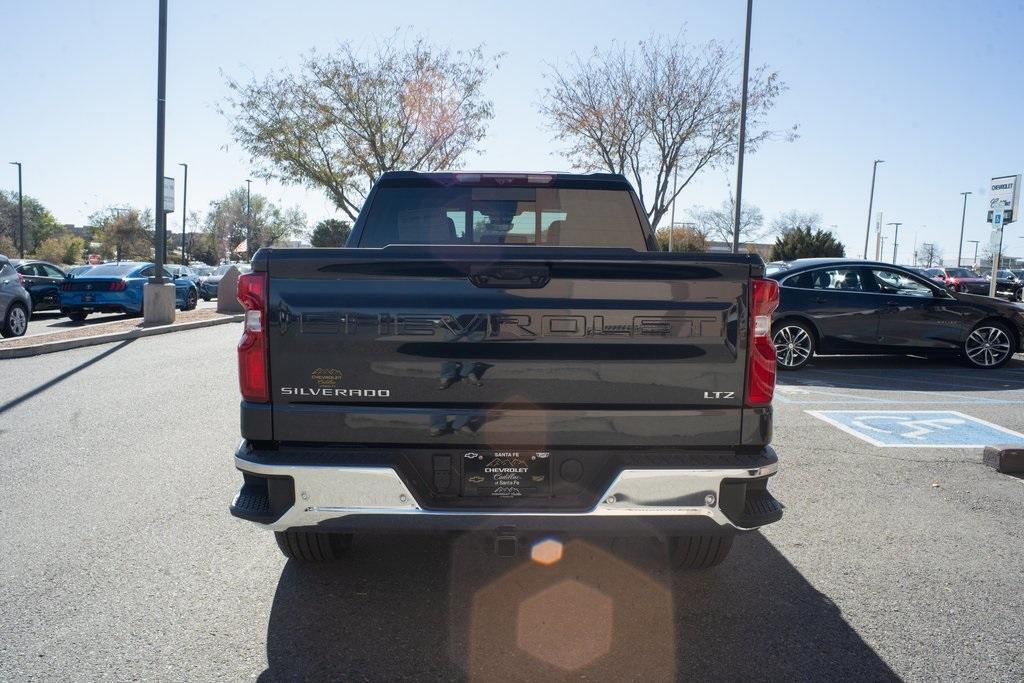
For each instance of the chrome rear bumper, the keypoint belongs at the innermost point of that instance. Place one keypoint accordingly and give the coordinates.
(348, 498)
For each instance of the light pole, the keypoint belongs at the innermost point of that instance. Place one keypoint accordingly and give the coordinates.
(21, 213)
(895, 241)
(963, 217)
(975, 263)
(184, 213)
(871, 204)
(743, 133)
(672, 220)
(158, 294)
(248, 219)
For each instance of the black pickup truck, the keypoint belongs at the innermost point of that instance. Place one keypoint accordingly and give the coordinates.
(508, 354)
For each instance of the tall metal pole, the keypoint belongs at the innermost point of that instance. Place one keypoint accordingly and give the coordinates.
(672, 221)
(895, 240)
(161, 97)
(248, 219)
(184, 213)
(743, 133)
(871, 204)
(21, 213)
(974, 264)
(963, 218)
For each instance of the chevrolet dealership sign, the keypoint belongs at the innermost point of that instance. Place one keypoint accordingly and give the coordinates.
(1005, 189)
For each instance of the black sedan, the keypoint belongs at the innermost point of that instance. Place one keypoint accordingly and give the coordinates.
(208, 285)
(1009, 285)
(42, 280)
(842, 306)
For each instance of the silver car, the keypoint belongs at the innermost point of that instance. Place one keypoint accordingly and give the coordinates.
(15, 302)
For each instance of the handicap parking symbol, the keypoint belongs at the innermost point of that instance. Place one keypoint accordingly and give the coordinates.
(917, 428)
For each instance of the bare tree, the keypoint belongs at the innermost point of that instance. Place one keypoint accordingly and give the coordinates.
(792, 220)
(718, 223)
(650, 112)
(344, 118)
(930, 254)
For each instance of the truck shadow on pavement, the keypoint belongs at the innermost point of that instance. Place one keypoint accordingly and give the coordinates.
(902, 373)
(442, 607)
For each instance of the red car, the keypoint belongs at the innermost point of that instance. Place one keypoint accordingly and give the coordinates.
(959, 280)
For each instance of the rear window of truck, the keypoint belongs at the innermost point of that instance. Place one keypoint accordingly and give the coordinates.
(502, 215)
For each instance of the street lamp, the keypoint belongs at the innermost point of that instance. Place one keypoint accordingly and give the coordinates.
(963, 217)
(248, 218)
(895, 240)
(184, 213)
(871, 204)
(743, 133)
(975, 242)
(21, 212)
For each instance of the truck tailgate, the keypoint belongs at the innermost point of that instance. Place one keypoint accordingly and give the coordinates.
(507, 346)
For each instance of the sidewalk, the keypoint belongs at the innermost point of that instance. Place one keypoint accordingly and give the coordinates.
(102, 333)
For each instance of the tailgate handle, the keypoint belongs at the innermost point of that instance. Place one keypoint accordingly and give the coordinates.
(510, 277)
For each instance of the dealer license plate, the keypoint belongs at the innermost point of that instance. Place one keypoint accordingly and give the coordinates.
(506, 474)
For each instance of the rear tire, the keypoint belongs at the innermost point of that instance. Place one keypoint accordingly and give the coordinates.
(191, 300)
(310, 546)
(15, 323)
(695, 553)
(77, 316)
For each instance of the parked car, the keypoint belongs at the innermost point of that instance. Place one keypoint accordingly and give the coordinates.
(588, 382)
(959, 279)
(15, 301)
(1008, 285)
(179, 271)
(201, 269)
(208, 286)
(75, 271)
(840, 306)
(42, 280)
(117, 288)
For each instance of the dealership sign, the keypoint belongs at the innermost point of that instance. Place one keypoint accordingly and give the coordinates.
(1005, 189)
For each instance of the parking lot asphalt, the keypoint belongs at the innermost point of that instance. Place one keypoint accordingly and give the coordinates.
(45, 322)
(120, 560)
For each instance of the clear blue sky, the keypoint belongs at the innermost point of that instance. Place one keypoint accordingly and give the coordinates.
(934, 88)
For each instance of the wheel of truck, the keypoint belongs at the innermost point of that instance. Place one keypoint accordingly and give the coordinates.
(77, 316)
(794, 344)
(310, 546)
(693, 553)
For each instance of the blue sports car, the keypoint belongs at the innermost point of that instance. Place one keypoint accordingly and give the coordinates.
(117, 288)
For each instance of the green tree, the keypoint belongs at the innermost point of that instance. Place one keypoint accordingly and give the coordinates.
(124, 234)
(806, 243)
(330, 233)
(40, 224)
(203, 248)
(65, 248)
(229, 223)
(343, 118)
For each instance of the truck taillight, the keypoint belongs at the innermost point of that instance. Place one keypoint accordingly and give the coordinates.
(252, 347)
(764, 299)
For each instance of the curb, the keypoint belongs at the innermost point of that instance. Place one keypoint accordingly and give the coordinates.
(1004, 459)
(51, 347)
